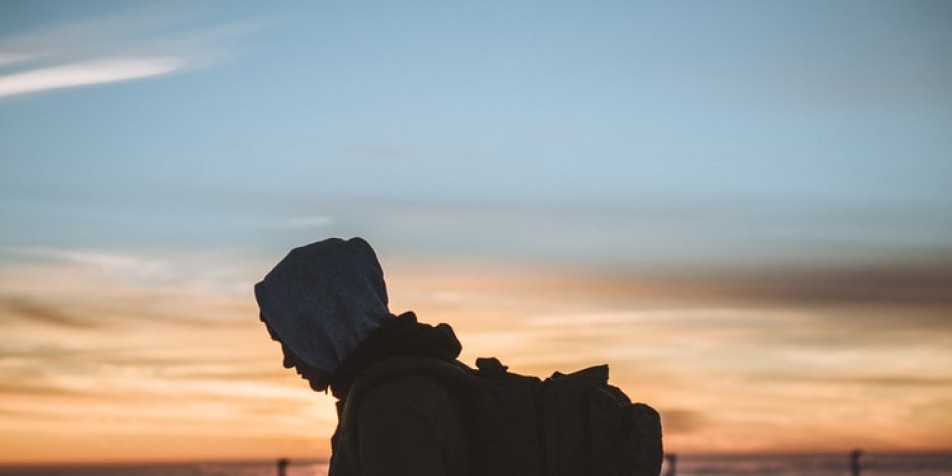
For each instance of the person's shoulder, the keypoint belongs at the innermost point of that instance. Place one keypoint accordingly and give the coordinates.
(416, 388)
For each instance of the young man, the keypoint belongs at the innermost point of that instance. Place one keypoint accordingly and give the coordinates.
(326, 303)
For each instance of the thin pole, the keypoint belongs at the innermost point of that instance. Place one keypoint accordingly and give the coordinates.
(854, 462)
(672, 459)
(283, 466)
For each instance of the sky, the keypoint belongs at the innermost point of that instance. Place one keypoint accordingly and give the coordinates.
(742, 207)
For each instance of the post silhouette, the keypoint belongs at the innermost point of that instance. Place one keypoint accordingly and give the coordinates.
(672, 460)
(854, 462)
(283, 466)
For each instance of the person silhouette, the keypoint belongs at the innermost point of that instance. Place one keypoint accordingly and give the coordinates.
(327, 305)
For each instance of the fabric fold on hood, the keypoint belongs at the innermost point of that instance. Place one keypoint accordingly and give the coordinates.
(325, 298)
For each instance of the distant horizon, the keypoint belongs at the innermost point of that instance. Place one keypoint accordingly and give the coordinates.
(312, 460)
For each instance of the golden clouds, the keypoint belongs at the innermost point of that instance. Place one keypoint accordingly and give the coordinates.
(103, 365)
(169, 361)
(786, 360)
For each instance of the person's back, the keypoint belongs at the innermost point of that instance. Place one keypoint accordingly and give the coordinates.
(327, 304)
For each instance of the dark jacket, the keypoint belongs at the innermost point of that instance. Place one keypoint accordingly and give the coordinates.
(411, 425)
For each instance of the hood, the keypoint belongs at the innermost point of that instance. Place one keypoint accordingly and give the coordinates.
(325, 298)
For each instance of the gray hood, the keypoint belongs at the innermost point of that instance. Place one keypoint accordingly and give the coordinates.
(324, 299)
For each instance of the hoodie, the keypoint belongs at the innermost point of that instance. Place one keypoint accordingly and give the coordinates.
(325, 298)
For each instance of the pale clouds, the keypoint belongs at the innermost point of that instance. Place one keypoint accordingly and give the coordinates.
(88, 288)
(127, 45)
(124, 265)
(88, 73)
(130, 347)
(12, 58)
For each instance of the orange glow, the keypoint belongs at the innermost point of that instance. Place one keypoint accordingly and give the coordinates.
(100, 367)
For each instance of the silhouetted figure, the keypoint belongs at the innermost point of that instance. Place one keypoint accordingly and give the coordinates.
(854, 462)
(326, 303)
(283, 466)
(407, 406)
(672, 460)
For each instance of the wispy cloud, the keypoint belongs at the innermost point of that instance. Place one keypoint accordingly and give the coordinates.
(753, 350)
(110, 263)
(923, 284)
(126, 45)
(88, 73)
(72, 288)
(13, 58)
(43, 313)
(682, 421)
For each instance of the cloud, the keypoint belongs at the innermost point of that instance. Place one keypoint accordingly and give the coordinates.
(869, 284)
(10, 58)
(892, 316)
(682, 421)
(73, 289)
(43, 313)
(110, 263)
(125, 45)
(881, 381)
(711, 350)
(87, 73)
(923, 283)
(8, 387)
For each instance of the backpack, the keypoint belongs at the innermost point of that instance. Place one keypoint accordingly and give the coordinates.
(566, 425)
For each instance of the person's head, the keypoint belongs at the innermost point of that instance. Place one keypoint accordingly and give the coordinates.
(320, 302)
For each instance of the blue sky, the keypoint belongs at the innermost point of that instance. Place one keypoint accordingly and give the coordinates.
(727, 113)
(787, 157)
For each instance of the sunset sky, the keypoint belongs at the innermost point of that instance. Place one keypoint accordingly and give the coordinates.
(744, 207)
